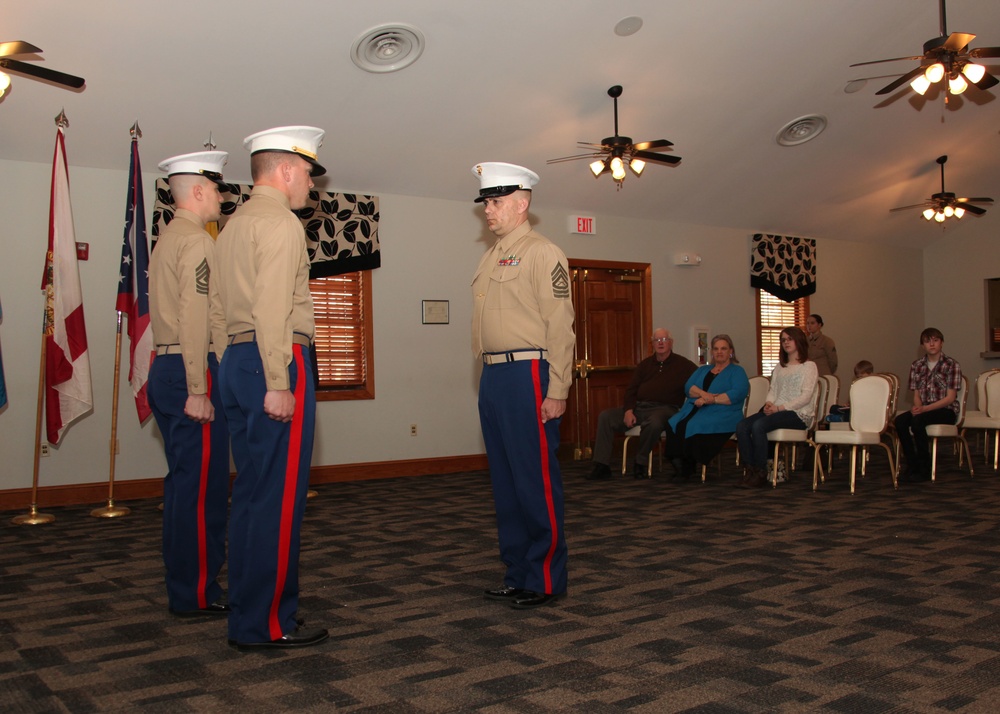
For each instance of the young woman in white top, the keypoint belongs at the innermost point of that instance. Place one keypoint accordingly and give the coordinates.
(789, 405)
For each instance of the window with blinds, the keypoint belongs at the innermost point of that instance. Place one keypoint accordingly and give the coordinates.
(344, 355)
(773, 315)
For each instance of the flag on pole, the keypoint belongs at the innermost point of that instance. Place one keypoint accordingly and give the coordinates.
(133, 288)
(68, 391)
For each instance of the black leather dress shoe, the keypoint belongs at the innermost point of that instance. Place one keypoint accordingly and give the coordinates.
(216, 608)
(504, 594)
(528, 600)
(298, 637)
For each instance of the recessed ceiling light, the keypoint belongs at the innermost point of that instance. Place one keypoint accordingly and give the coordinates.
(387, 48)
(628, 26)
(799, 131)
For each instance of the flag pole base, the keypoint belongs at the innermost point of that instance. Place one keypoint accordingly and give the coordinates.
(33, 518)
(111, 510)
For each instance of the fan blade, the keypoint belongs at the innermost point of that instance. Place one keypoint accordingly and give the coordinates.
(894, 59)
(974, 200)
(660, 158)
(18, 47)
(42, 73)
(987, 81)
(957, 40)
(646, 145)
(574, 158)
(925, 204)
(975, 210)
(985, 52)
(892, 86)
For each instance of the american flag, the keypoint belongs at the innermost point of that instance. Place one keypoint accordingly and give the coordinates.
(133, 287)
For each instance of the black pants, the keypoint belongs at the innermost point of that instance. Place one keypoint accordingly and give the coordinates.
(912, 431)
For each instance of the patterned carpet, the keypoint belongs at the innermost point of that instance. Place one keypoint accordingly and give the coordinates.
(683, 598)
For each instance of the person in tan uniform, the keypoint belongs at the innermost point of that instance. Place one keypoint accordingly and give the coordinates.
(522, 330)
(184, 389)
(822, 349)
(267, 387)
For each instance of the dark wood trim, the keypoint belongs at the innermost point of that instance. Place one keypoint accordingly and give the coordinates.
(97, 493)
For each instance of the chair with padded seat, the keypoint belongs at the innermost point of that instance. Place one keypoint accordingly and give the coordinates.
(871, 412)
(987, 417)
(952, 431)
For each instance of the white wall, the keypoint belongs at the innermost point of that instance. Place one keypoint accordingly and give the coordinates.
(424, 374)
(953, 273)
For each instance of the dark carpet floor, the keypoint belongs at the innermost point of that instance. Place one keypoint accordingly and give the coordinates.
(683, 598)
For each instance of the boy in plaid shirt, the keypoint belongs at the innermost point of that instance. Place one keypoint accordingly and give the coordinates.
(935, 380)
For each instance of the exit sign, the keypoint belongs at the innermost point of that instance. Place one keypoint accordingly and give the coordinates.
(582, 224)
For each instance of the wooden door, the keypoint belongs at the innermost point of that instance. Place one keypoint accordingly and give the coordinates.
(613, 324)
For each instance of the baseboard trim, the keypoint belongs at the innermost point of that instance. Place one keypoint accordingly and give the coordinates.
(97, 493)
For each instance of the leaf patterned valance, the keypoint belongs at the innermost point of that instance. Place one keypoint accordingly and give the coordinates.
(784, 266)
(341, 228)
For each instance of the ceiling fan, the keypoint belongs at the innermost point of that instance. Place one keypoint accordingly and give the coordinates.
(616, 152)
(17, 47)
(944, 204)
(945, 57)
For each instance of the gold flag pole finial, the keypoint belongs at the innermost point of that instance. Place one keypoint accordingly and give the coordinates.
(61, 121)
(210, 144)
(135, 131)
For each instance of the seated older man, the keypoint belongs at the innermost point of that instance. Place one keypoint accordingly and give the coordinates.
(654, 395)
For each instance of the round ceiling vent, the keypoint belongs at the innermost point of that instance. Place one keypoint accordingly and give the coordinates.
(799, 131)
(387, 48)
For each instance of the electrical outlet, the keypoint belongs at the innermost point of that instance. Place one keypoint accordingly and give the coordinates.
(44, 450)
(413, 429)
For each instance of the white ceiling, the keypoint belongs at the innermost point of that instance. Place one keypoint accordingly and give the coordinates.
(522, 81)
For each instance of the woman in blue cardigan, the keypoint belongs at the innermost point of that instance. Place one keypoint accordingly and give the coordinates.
(713, 408)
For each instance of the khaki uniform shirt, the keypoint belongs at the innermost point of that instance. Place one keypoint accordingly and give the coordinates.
(263, 279)
(521, 300)
(823, 352)
(179, 272)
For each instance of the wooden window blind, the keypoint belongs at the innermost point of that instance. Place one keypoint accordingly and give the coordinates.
(344, 354)
(773, 315)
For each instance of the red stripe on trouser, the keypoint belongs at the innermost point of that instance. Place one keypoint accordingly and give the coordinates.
(288, 498)
(543, 443)
(206, 455)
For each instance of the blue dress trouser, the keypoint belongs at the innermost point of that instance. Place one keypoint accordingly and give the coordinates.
(269, 494)
(524, 470)
(196, 489)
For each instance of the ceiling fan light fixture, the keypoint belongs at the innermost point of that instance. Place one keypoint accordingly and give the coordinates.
(929, 213)
(617, 169)
(974, 72)
(939, 217)
(957, 84)
(959, 212)
(948, 211)
(4, 83)
(934, 73)
(637, 165)
(597, 167)
(920, 85)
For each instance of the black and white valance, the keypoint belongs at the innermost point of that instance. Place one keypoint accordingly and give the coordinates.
(784, 266)
(341, 228)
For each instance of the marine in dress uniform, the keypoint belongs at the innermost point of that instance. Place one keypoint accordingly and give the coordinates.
(184, 389)
(522, 330)
(267, 387)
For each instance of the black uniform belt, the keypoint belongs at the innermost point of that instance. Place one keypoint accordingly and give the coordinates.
(512, 356)
(174, 349)
(251, 336)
